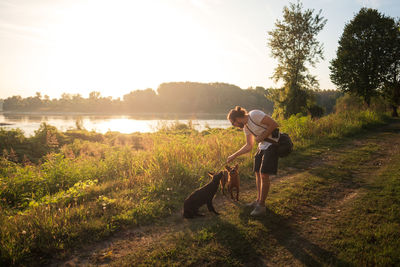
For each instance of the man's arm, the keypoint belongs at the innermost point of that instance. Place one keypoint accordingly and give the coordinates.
(271, 126)
(245, 149)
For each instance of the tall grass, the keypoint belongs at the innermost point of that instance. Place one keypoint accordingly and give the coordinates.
(305, 130)
(87, 185)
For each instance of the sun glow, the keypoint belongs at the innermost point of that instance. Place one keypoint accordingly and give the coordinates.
(97, 45)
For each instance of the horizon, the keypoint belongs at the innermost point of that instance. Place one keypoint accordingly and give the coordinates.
(81, 46)
(121, 97)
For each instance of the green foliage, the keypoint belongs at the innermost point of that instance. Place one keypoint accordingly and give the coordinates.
(306, 131)
(368, 51)
(327, 99)
(349, 103)
(84, 135)
(316, 111)
(391, 83)
(294, 45)
(355, 103)
(11, 140)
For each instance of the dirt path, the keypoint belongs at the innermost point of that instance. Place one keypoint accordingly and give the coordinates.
(290, 248)
(314, 243)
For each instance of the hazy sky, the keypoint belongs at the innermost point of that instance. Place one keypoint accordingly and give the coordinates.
(79, 46)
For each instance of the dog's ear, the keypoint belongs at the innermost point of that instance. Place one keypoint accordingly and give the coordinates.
(210, 174)
(236, 167)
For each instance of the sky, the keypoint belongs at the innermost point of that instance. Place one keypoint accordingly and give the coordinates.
(115, 47)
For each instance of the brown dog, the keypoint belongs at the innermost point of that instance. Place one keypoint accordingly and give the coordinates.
(233, 180)
(224, 180)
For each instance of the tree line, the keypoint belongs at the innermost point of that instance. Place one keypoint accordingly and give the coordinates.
(173, 97)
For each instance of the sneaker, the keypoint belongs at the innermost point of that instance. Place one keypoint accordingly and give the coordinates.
(258, 210)
(252, 204)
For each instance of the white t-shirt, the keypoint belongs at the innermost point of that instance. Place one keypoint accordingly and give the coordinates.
(256, 127)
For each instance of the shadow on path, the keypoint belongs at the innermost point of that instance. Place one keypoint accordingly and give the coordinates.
(285, 234)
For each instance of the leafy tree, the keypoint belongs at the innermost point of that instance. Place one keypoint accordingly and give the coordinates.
(366, 55)
(391, 84)
(293, 43)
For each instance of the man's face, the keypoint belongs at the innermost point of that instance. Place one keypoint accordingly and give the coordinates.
(236, 123)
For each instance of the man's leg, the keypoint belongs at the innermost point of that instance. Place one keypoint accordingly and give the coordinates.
(269, 166)
(265, 184)
(263, 192)
(258, 183)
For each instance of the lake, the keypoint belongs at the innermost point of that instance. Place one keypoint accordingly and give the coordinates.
(103, 123)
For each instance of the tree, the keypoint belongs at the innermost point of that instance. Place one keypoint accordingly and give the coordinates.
(293, 43)
(391, 83)
(365, 54)
(13, 103)
(94, 95)
(141, 101)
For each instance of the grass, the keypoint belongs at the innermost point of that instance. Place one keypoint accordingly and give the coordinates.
(84, 186)
(367, 232)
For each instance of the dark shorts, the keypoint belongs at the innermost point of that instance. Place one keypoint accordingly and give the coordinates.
(267, 160)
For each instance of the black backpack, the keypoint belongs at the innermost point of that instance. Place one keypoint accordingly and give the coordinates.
(285, 145)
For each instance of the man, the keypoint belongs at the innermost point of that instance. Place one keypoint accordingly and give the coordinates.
(261, 128)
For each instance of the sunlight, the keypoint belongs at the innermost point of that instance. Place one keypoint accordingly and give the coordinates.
(122, 125)
(102, 47)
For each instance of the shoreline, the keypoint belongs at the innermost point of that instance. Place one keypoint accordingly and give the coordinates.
(153, 115)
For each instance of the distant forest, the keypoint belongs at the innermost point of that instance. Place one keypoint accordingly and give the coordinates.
(174, 97)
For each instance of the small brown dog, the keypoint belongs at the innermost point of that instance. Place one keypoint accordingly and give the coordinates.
(223, 181)
(233, 180)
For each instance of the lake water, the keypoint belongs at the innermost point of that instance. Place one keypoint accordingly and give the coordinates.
(123, 124)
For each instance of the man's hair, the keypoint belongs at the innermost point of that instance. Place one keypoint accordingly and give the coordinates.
(237, 112)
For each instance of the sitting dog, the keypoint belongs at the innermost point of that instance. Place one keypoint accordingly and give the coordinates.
(233, 180)
(201, 196)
